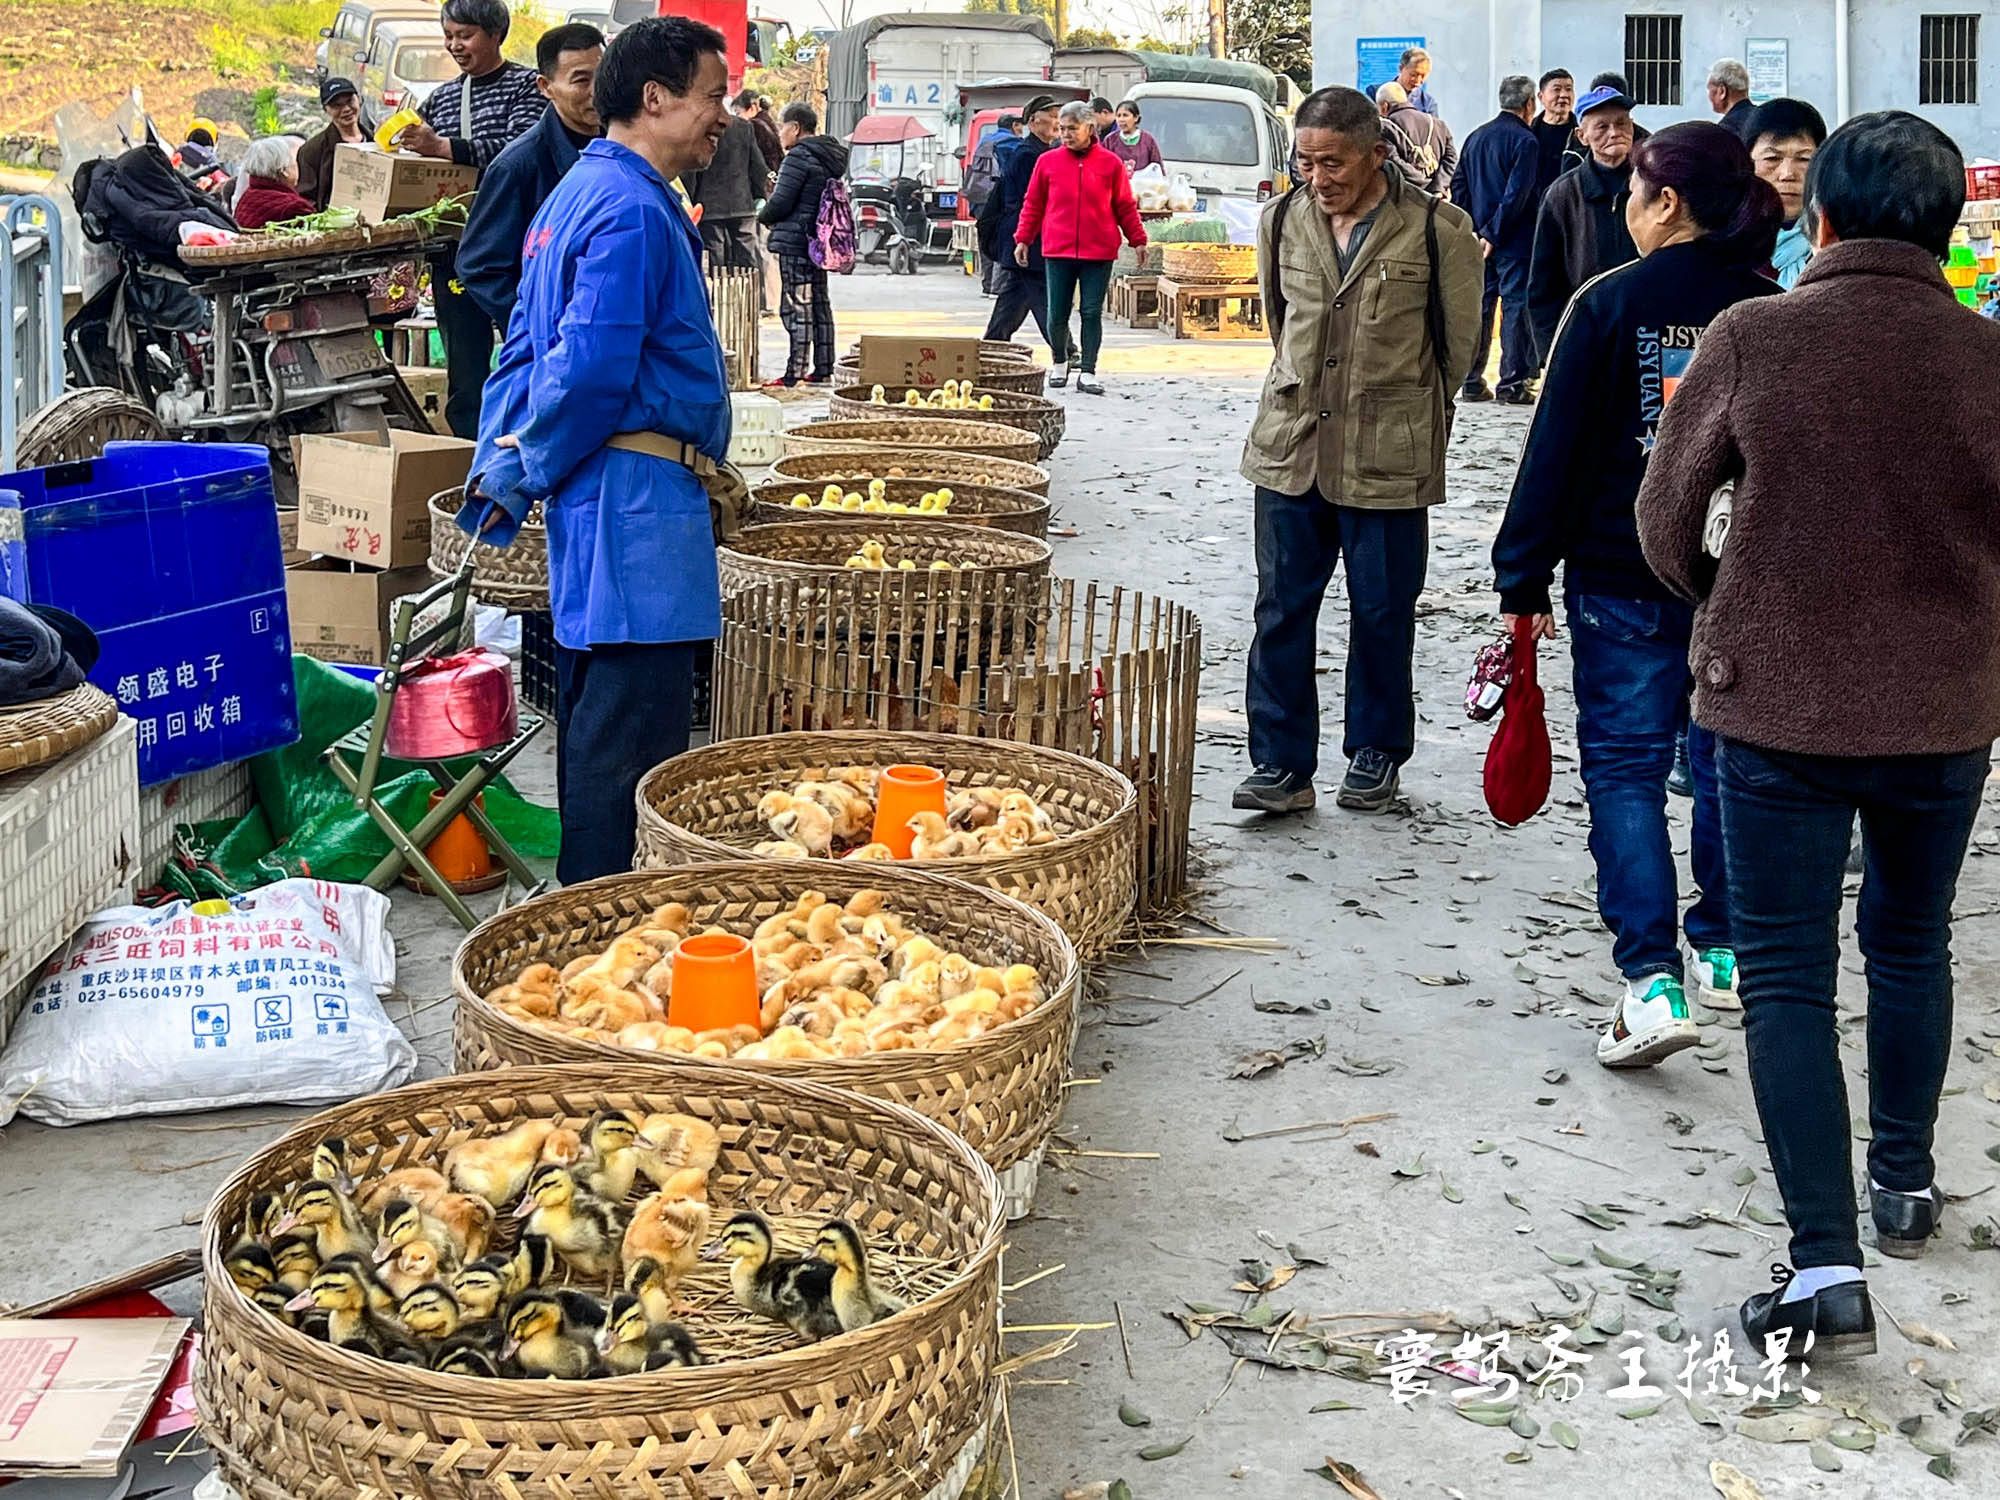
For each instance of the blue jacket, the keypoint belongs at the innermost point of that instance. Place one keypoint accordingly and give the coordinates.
(1496, 184)
(519, 182)
(1017, 168)
(611, 334)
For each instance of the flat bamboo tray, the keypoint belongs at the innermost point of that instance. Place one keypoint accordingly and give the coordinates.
(996, 373)
(1090, 668)
(34, 733)
(1210, 263)
(812, 471)
(990, 505)
(256, 249)
(886, 1411)
(1001, 1091)
(807, 550)
(516, 575)
(703, 805)
(917, 430)
(1035, 414)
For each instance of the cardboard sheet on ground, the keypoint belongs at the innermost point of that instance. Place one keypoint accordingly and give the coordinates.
(73, 1391)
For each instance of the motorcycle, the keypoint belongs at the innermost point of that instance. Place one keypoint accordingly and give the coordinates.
(889, 221)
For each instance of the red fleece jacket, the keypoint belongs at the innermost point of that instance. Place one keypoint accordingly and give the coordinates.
(1077, 202)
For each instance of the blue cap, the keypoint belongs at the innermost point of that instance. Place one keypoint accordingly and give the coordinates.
(1598, 98)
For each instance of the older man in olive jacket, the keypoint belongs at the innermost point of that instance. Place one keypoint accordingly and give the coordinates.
(1371, 291)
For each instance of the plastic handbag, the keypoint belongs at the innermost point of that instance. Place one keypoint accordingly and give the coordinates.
(1519, 761)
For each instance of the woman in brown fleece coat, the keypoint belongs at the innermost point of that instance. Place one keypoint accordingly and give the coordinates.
(1847, 655)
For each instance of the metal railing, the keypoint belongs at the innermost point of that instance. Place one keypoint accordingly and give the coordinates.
(31, 313)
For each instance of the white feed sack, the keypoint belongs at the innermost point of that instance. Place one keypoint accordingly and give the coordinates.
(269, 998)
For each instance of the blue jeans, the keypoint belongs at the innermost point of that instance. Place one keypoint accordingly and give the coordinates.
(1300, 540)
(1630, 663)
(1786, 824)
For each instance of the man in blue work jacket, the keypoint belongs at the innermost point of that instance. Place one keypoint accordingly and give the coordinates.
(608, 399)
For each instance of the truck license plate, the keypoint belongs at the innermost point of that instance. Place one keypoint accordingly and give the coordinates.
(947, 200)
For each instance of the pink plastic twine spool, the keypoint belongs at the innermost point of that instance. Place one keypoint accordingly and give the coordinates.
(450, 706)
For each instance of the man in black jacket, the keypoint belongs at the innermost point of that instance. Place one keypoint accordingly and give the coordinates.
(1581, 231)
(729, 189)
(1496, 185)
(522, 176)
(1023, 290)
(792, 215)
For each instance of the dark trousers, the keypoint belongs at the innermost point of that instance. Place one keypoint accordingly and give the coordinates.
(1083, 282)
(807, 313)
(1786, 821)
(468, 348)
(620, 711)
(730, 242)
(1300, 539)
(1629, 658)
(1022, 294)
(1506, 289)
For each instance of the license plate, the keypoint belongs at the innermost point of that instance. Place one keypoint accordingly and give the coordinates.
(1201, 205)
(947, 200)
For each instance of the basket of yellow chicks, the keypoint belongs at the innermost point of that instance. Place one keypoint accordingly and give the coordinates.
(993, 506)
(933, 466)
(914, 427)
(882, 542)
(557, 1282)
(1055, 830)
(1002, 367)
(961, 398)
(952, 999)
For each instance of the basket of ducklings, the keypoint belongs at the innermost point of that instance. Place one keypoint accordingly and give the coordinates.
(956, 398)
(1055, 830)
(931, 466)
(990, 505)
(945, 554)
(916, 427)
(955, 1000)
(680, 1281)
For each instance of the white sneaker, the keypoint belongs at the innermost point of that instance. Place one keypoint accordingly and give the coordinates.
(1652, 1024)
(1714, 972)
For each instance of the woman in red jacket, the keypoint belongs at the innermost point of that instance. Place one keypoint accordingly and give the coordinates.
(1078, 200)
(267, 191)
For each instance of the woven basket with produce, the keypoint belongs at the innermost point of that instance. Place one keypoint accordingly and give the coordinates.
(1211, 265)
(516, 575)
(997, 372)
(919, 429)
(989, 505)
(1067, 847)
(483, 1219)
(1036, 414)
(935, 466)
(878, 544)
(854, 962)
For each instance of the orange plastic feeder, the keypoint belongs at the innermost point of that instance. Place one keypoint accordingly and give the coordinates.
(460, 855)
(715, 983)
(902, 793)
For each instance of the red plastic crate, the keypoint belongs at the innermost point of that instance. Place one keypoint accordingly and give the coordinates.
(1982, 182)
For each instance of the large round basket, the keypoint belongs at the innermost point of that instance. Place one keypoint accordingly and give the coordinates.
(807, 550)
(1034, 414)
(996, 373)
(895, 1411)
(77, 425)
(516, 575)
(990, 505)
(1001, 1091)
(917, 430)
(1210, 264)
(814, 470)
(1094, 669)
(703, 805)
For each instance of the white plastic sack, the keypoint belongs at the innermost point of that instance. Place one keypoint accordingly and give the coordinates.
(1180, 194)
(1149, 186)
(268, 998)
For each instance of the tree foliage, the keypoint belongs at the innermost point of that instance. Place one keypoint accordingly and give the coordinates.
(1271, 32)
(1092, 36)
(1046, 9)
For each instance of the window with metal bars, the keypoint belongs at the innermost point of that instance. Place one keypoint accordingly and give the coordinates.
(1653, 58)
(1948, 60)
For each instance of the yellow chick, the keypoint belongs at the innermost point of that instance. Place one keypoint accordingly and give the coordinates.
(940, 566)
(875, 507)
(801, 502)
(878, 397)
(913, 398)
(877, 488)
(850, 501)
(986, 403)
(907, 565)
(898, 508)
(831, 493)
(944, 497)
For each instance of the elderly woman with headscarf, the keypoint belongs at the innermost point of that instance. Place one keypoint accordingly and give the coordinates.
(267, 182)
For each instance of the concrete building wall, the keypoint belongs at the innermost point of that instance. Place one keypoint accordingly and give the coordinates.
(1473, 45)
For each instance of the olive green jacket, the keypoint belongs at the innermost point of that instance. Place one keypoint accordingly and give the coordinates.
(1354, 404)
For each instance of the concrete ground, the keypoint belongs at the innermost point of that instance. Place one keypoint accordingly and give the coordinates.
(1440, 1153)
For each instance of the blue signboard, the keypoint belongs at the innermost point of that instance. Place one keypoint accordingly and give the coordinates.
(1376, 59)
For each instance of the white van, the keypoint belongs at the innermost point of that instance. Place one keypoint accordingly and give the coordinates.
(1228, 141)
(406, 60)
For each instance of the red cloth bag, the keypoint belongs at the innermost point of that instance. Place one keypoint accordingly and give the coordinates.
(1519, 762)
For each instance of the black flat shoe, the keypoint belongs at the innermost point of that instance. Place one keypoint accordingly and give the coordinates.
(1840, 1318)
(1904, 1222)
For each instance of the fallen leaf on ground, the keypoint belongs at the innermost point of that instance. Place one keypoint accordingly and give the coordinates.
(1565, 1434)
(1367, 1148)
(1918, 1333)
(1732, 1483)
(1562, 1257)
(1333, 1406)
(1441, 981)
(1164, 1450)
(1288, 1007)
(1265, 1059)
(1411, 1169)
(1131, 1416)
(1451, 1194)
(1348, 1478)
(1786, 1427)
(1854, 1439)
(1595, 1213)
(1098, 1491)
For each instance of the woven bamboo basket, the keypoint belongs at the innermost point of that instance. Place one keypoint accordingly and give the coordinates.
(889, 1412)
(917, 430)
(516, 575)
(77, 425)
(256, 249)
(36, 732)
(807, 550)
(1097, 670)
(813, 470)
(1035, 414)
(990, 505)
(996, 373)
(1001, 1091)
(703, 805)
(1210, 264)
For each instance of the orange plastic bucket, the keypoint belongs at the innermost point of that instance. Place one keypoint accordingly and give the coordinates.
(715, 983)
(901, 793)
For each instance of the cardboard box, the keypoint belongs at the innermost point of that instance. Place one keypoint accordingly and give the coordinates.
(427, 385)
(895, 360)
(77, 1389)
(364, 497)
(380, 184)
(340, 613)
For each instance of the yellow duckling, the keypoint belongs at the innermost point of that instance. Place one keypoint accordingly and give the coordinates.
(802, 502)
(913, 398)
(877, 396)
(898, 508)
(944, 497)
(941, 566)
(877, 488)
(876, 507)
(850, 501)
(857, 1301)
(907, 565)
(986, 403)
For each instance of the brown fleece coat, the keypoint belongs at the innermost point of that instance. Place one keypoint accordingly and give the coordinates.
(1856, 607)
